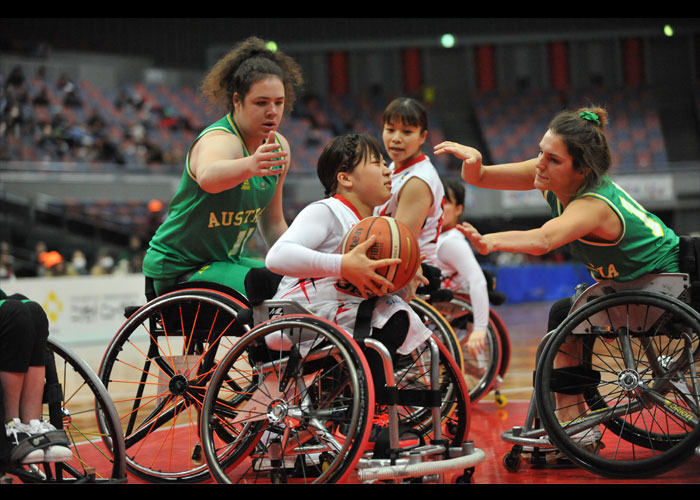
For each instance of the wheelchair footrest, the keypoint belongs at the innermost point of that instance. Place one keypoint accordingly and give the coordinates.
(38, 442)
(422, 461)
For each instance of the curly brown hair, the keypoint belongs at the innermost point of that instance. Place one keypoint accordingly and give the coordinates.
(247, 63)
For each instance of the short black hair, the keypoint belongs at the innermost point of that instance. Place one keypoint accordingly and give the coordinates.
(343, 154)
(408, 111)
(457, 189)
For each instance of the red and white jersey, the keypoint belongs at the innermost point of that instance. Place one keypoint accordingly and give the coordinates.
(308, 254)
(422, 168)
(310, 248)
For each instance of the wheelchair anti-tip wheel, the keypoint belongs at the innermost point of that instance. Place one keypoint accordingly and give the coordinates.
(157, 368)
(623, 372)
(292, 401)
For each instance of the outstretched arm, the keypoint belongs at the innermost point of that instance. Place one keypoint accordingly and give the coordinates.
(582, 217)
(518, 176)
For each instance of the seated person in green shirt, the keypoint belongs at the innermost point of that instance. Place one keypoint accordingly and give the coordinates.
(233, 176)
(605, 228)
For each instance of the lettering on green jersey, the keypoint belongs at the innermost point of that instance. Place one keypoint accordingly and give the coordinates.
(600, 270)
(654, 226)
(234, 218)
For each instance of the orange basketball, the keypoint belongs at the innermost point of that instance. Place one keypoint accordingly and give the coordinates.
(393, 239)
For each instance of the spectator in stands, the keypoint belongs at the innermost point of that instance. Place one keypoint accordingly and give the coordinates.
(233, 176)
(16, 88)
(39, 248)
(612, 234)
(78, 264)
(132, 257)
(69, 91)
(52, 263)
(103, 263)
(41, 98)
(6, 261)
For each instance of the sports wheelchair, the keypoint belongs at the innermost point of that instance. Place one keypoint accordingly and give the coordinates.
(628, 354)
(485, 372)
(209, 383)
(74, 400)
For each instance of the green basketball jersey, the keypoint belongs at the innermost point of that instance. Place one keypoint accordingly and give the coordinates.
(203, 227)
(646, 245)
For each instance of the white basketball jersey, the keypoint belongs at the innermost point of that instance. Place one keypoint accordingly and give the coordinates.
(342, 216)
(325, 298)
(422, 168)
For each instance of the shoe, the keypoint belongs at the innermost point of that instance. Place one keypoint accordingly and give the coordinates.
(288, 462)
(380, 427)
(58, 452)
(22, 450)
(587, 437)
(380, 436)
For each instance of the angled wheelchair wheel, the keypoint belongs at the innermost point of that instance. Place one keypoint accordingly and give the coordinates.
(157, 368)
(440, 326)
(417, 390)
(480, 371)
(623, 368)
(74, 399)
(504, 337)
(292, 402)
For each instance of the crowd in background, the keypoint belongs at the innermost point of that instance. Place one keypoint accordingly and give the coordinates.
(42, 120)
(47, 262)
(39, 120)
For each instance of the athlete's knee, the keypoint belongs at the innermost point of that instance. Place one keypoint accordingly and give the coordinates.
(558, 313)
(394, 332)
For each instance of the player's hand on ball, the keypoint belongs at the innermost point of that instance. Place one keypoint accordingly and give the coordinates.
(360, 270)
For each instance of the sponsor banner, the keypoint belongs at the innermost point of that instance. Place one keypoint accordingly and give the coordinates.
(646, 188)
(82, 308)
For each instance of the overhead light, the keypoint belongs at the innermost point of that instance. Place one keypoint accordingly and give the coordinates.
(447, 40)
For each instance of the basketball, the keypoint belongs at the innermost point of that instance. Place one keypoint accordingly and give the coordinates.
(393, 239)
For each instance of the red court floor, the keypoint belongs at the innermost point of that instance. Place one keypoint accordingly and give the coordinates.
(489, 422)
(526, 324)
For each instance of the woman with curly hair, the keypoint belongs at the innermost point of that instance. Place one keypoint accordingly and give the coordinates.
(233, 176)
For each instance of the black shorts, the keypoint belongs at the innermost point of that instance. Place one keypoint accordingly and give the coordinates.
(24, 329)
